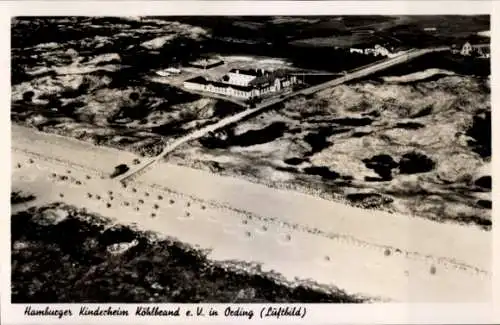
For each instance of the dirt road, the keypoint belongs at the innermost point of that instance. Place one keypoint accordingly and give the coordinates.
(374, 254)
(352, 75)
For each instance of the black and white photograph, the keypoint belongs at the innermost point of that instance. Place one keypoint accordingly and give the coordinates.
(251, 159)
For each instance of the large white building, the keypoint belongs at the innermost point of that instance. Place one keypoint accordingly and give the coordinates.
(244, 84)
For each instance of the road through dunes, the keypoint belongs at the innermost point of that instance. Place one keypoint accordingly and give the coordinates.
(373, 254)
(357, 73)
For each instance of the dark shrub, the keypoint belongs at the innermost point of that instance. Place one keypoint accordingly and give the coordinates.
(18, 197)
(484, 182)
(322, 171)
(115, 235)
(485, 204)
(480, 131)
(409, 125)
(382, 165)
(134, 96)
(294, 161)
(54, 102)
(352, 121)
(317, 140)
(414, 163)
(28, 96)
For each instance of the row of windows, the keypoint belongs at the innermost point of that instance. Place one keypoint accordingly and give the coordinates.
(234, 92)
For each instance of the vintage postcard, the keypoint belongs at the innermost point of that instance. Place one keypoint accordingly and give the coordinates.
(231, 162)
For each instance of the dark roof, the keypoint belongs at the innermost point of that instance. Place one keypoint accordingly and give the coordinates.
(199, 80)
(268, 77)
(203, 81)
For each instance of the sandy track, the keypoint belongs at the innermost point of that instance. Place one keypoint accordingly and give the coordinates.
(358, 264)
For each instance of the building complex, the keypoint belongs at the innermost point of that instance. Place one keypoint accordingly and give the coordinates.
(244, 84)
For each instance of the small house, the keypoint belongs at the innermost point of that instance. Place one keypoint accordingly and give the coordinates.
(466, 49)
(380, 51)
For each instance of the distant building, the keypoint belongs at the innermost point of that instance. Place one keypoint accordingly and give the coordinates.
(369, 51)
(380, 51)
(466, 49)
(168, 72)
(173, 70)
(377, 50)
(206, 63)
(356, 50)
(483, 52)
(480, 51)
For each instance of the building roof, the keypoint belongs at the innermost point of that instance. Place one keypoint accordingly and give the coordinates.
(236, 78)
(202, 81)
(198, 80)
(248, 72)
(268, 77)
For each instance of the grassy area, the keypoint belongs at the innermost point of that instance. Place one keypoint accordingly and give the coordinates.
(154, 270)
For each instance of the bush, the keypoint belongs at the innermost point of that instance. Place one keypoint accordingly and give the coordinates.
(414, 163)
(322, 171)
(382, 165)
(54, 102)
(484, 182)
(480, 131)
(28, 96)
(19, 197)
(134, 96)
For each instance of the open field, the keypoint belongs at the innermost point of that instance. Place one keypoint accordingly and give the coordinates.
(390, 258)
